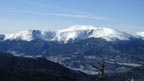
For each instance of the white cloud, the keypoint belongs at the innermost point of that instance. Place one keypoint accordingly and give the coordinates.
(80, 16)
(72, 15)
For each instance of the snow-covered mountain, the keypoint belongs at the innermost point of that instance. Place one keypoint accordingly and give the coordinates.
(74, 33)
(77, 55)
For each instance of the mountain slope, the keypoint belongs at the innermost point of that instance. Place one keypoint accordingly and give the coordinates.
(78, 55)
(135, 73)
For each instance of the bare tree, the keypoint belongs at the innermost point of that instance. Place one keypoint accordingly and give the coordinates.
(131, 79)
(101, 69)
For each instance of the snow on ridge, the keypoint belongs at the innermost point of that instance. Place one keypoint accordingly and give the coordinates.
(23, 35)
(76, 32)
(79, 27)
(28, 35)
(141, 34)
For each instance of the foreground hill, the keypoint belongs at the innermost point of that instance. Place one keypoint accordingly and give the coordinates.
(33, 69)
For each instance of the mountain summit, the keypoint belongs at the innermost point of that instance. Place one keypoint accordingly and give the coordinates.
(79, 32)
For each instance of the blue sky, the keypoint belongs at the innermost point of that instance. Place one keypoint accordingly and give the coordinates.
(17, 15)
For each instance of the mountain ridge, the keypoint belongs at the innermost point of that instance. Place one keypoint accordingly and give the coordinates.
(73, 33)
